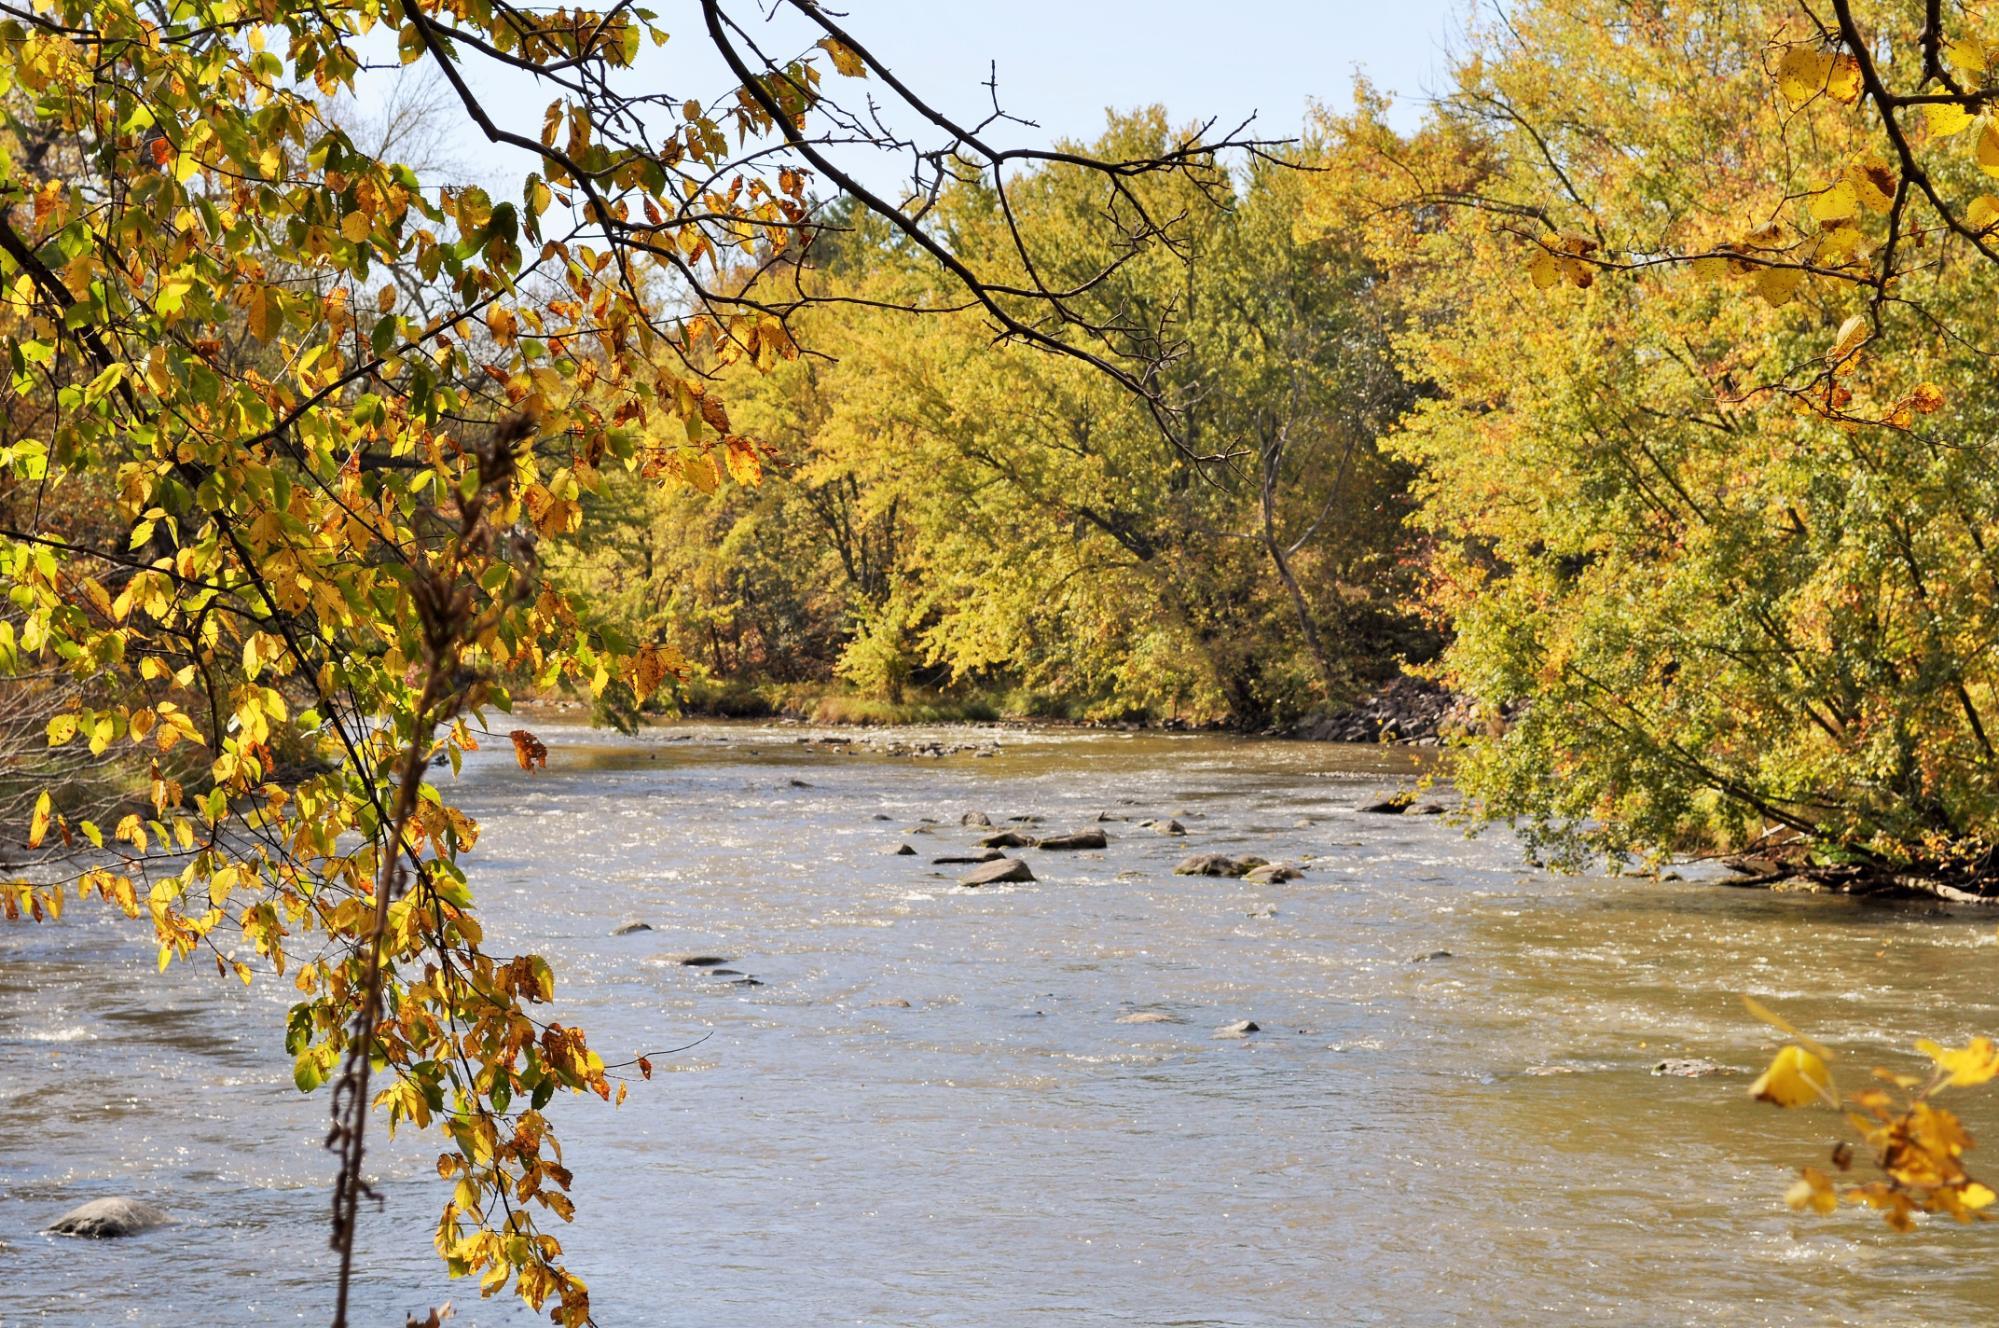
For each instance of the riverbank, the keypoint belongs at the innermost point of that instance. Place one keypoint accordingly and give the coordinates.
(1405, 711)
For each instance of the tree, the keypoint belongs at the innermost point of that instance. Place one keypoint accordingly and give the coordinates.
(1706, 466)
(288, 430)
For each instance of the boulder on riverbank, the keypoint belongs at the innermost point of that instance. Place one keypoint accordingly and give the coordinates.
(104, 1219)
(1080, 839)
(1218, 864)
(992, 873)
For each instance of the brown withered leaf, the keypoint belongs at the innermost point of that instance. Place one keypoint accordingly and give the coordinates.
(529, 750)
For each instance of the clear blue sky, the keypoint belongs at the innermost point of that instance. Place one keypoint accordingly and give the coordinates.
(1063, 63)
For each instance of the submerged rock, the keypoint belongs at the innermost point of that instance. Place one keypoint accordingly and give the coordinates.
(1007, 839)
(1430, 957)
(698, 961)
(629, 926)
(1272, 873)
(102, 1219)
(1078, 840)
(959, 859)
(1217, 864)
(992, 873)
(1147, 1017)
(1169, 827)
(1692, 1067)
(1241, 1028)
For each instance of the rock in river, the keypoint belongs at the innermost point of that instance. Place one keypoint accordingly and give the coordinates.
(1004, 869)
(984, 855)
(1394, 806)
(1240, 1028)
(1692, 1067)
(629, 926)
(1217, 864)
(101, 1218)
(976, 818)
(1080, 839)
(1272, 873)
(1147, 1017)
(1007, 839)
(902, 851)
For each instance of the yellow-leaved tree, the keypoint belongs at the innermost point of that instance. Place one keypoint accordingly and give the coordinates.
(285, 428)
(1704, 292)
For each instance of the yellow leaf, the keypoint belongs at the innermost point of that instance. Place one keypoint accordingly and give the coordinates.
(1974, 1063)
(260, 313)
(1802, 73)
(1966, 52)
(1852, 334)
(1794, 1079)
(1946, 118)
(1928, 398)
(1843, 83)
(38, 826)
(844, 59)
(745, 467)
(354, 227)
(1975, 1195)
(1873, 183)
(1982, 213)
(1545, 270)
(1778, 284)
(1988, 148)
(1839, 202)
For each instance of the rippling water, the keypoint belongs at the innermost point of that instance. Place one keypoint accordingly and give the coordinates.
(928, 1113)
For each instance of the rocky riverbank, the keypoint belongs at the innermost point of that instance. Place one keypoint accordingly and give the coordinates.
(1412, 711)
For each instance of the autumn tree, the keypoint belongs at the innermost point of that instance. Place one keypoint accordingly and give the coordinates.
(1708, 467)
(289, 429)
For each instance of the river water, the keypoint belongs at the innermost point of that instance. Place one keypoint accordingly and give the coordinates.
(928, 1112)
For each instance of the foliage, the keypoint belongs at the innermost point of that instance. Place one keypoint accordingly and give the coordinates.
(288, 432)
(1708, 468)
(1916, 1147)
(940, 512)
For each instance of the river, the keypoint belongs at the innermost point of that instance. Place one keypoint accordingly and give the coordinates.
(927, 1111)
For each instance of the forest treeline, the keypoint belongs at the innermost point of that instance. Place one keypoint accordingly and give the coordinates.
(951, 517)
